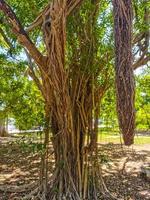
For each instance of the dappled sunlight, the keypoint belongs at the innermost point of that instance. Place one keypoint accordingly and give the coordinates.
(120, 164)
(122, 173)
(17, 167)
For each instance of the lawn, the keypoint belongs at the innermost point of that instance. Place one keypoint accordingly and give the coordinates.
(106, 137)
(103, 137)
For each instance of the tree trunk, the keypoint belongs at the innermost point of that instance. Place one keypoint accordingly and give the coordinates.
(74, 140)
(3, 128)
(123, 67)
(74, 106)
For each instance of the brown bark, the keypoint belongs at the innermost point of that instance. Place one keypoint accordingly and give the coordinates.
(72, 102)
(123, 68)
(22, 36)
(142, 41)
(3, 129)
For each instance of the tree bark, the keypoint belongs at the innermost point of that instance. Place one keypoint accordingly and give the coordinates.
(3, 128)
(123, 68)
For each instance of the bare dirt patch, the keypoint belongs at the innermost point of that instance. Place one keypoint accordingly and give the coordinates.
(121, 170)
(122, 173)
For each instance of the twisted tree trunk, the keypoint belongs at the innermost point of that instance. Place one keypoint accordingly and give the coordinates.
(72, 118)
(123, 67)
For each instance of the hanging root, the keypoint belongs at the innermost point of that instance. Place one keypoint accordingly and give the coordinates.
(124, 69)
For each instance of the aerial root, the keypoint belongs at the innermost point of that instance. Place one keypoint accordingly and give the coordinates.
(35, 193)
(18, 189)
(39, 193)
(105, 192)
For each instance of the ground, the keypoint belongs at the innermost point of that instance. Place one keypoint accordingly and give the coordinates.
(122, 172)
(20, 164)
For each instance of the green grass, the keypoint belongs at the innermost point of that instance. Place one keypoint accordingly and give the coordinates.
(106, 137)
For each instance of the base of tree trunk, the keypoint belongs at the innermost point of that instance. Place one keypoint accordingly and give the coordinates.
(92, 187)
(3, 132)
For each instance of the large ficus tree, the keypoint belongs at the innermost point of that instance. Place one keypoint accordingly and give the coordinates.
(71, 66)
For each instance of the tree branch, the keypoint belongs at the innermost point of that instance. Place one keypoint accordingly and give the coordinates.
(33, 75)
(22, 36)
(143, 46)
(141, 61)
(5, 38)
(138, 38)
(71, 4)
(39, 20)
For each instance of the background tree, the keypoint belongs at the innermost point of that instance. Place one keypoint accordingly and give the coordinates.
(19, 97)
(142, 100)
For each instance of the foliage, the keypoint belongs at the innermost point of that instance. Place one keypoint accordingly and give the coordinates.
(28, 145)
(143, 100)
(19, 97)
(108, 106)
